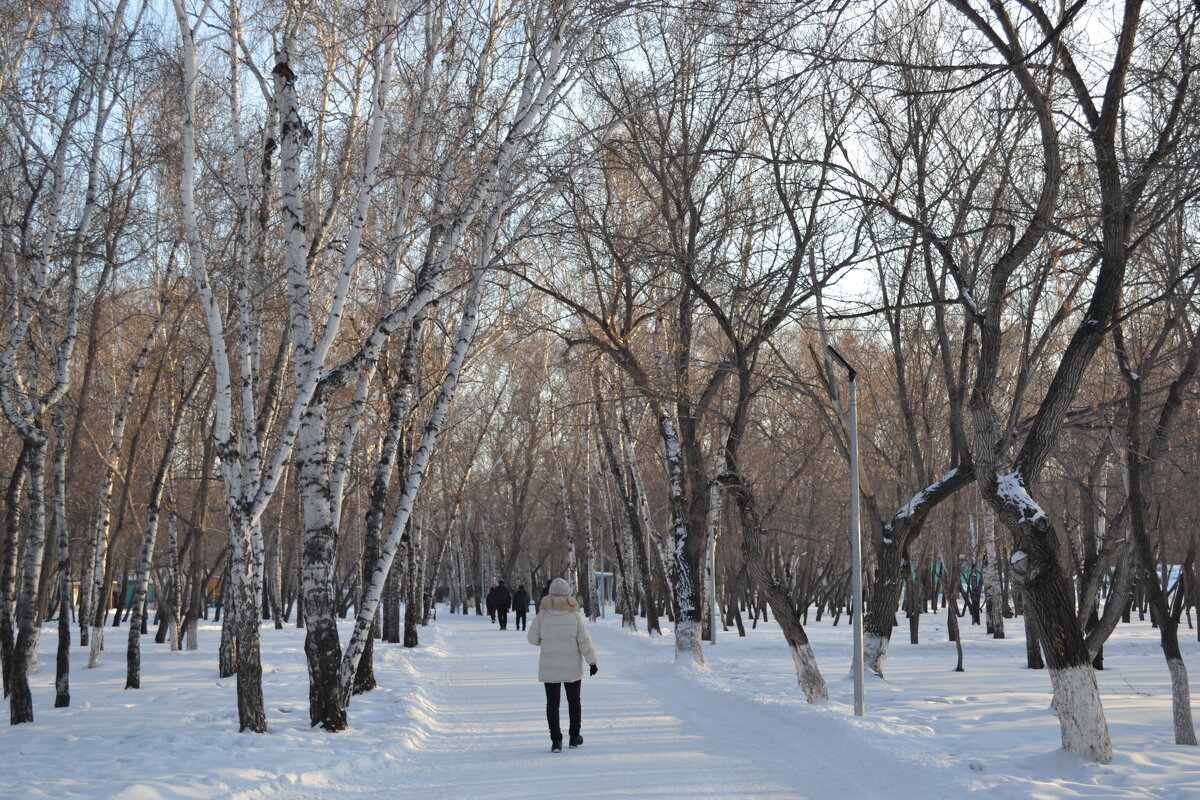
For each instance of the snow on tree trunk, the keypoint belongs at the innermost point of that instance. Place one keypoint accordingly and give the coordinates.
(893, 567)
(1080, 716)
(1047, 597)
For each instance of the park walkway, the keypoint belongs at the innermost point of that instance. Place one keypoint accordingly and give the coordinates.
(476, 729)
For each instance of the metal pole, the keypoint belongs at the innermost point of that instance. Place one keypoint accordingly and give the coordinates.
(855, 541)
(856, 554)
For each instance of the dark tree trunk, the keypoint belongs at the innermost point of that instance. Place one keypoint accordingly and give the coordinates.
(8, 577)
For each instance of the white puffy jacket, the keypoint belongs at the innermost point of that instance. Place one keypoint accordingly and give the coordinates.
(560, 631)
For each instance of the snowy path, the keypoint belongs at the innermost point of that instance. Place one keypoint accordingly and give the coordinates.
(650, 730)
(461, 717)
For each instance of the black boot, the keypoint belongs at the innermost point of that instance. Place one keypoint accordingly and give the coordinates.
(576, 740)
(556, 745)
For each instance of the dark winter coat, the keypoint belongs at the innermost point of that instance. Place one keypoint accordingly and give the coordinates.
(501, 599)
(521, 600)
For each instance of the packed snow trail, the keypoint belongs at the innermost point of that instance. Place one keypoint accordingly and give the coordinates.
(461, 716)
(651, 730)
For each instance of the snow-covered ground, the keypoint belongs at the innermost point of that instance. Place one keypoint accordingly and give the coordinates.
(462, 717)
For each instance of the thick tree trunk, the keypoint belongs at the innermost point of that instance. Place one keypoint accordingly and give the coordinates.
(1048, 598)
(391, 607)
(8, 577)
(685, 562)
(318, 556)
(808, 675)
(251, 710)
(28, 625)
(413, 590)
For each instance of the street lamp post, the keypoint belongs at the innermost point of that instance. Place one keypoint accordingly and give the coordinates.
(855, 539)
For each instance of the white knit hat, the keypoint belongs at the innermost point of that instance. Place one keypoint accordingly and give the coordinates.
(560, 588)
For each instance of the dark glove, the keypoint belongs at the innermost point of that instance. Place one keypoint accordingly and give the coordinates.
(592, 669)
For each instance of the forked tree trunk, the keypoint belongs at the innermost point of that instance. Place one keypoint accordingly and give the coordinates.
(133, 654)
(893, 568)
(630, 501)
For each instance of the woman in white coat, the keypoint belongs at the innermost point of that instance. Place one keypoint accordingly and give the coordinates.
(560, 631)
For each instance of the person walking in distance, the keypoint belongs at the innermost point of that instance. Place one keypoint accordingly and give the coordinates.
(560, 632)
(501, 602)
(521, 607)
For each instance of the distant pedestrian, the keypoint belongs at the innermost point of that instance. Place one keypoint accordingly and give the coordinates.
(560, 632)
(521, 607)
(491, 603)
(501, 601)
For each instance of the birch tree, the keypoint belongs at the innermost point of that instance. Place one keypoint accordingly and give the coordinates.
(33, 379)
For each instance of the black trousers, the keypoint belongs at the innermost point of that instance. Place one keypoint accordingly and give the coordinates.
(574, 710)
(502, 615)
(520, 618)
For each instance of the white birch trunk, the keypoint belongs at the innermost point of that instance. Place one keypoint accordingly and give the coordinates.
(176, 586)
(687, 632)
(710, 563)
(420, 460)
(242, 606)
(991, 573)
(98, 543)
(1181, 703)
(572, 572)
